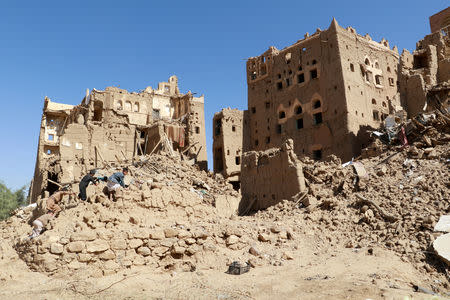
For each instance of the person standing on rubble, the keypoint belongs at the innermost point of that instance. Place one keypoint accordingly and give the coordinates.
(116, 181)
(85, 182)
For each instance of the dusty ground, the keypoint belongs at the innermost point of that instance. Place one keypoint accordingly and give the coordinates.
(336, 273)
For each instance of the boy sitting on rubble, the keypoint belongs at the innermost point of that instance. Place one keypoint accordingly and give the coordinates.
(116, 181)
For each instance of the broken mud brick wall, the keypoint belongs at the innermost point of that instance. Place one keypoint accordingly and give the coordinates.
(324, 91)
(425, 73)
(440, 20)
(228, 131)
(269, 177)
(114, 125)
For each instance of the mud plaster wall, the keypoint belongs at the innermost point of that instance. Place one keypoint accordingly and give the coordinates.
(313, 77)
(270, 176)
(196, 131)
(227, 143)
(440, 20)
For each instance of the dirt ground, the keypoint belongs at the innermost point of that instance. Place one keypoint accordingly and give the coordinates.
(333, 273)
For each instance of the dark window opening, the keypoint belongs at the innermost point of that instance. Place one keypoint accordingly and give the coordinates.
(313, 73)
(256, 142)
(267, 104)
(52, 187)
(218, 160)
(197, 129)
(279, 128)
(352, 67)
(233, 128)
(298, 110)
(263, 70)
(367, 62)
(238, 160)
(420, 61)
(282, 115)
(317, 118)
(300, 68)
(299, 123)
(290, 72)
(316, 104)
(391, 81)
(236, 185)
(314, 62)
(253, 76)
(317, 154)
(142, 134)
(280, 85)
(98, 110)
(279, 76)
(377, 79)
(301, 78)
(218, 126)
(253, 110)
(267, 139)
(288, 81)
(376, 115)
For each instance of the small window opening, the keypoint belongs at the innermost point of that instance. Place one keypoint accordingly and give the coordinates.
(279, 128)
(298, 110)
(218, 126)
(238, 160)
(374, 101)
(256, 142)
(136, 107)
(313, 73)
(233, 128)
(317, 118)
(267, 104)
(377, 65)
(300, 68)
(142, 134)
(253, 110)
(376, 115)
(299, 123)
(279, 76)
(288, 81)
(267, 139)
(281, 115)
(316, 104)
(253, 75)
(391, 81)
(367, 62)
(389, 69)
(280, 85)
(378, 79)
(314, 62)
(197, 129)
(317, 154)
(228, 152)
(51, 137)
(301, 78)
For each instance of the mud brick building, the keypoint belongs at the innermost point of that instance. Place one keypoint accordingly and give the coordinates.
(114, 125)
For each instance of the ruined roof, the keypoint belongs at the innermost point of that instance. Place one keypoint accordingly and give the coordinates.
(57, 106)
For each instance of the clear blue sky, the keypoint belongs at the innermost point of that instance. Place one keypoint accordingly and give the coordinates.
(60, 48)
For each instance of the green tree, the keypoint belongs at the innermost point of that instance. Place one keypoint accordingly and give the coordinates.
(10, 200)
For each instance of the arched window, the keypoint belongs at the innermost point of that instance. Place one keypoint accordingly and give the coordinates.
(136, 107)
(374, 101)
(316, 104)
(128, 106)
(367, 62)
(377, 65)
(389, 69)
(119, 105)
(314, 62)
(282, 115)
(298, 110)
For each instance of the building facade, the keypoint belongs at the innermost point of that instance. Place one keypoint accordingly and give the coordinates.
(114, 125)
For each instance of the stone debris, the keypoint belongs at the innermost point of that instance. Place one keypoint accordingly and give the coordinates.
(443, 224)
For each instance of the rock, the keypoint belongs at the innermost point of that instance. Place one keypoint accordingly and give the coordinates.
(110, 265)
(135, 243)
(262, 237)
(232, 239)
(275, 229)
(254, 251)
(97, 246)
(309, 200)
(74, 265)
(83, 257)
(157, 235)
(287, 255)
(56, 248)
(160, 251)
(75, 246)
(190, 241)
(443, 224)
(138, 261)
(442, 247)
(144, 251)
(182, 234)
(191, 250)
(118, 244)
(141, 234)
(87, 235)
(170, 232)
(178, 250)
(107, 255)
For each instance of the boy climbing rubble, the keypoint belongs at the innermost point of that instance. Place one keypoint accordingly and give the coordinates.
(116, 181)
(85, 182)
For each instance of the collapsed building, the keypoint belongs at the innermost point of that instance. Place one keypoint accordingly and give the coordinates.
(327, 93)
(115, 125)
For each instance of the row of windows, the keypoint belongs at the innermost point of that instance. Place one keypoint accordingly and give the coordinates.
(128, 106)
(300, 79)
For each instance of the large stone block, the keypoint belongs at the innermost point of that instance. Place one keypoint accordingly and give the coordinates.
(75, 246)
(97, 246)
(83, 236)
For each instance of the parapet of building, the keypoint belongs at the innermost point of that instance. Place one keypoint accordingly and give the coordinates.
(114, 125)
(425, 73)
(270, 176)
(324, 92)
(440, 21)
(228, 132)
